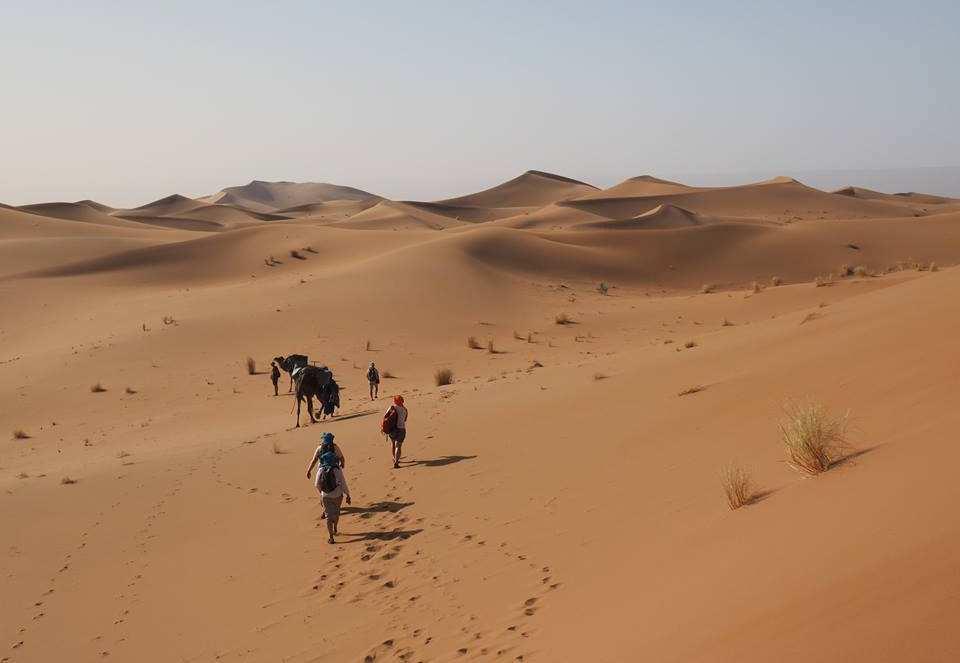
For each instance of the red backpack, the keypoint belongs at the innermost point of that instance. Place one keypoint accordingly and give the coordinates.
(389, 423)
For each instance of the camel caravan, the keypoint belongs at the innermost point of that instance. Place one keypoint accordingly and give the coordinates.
(311, 381)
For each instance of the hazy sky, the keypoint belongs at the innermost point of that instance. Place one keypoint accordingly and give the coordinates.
(128, 101)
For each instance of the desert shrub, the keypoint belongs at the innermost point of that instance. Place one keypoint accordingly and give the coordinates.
(603, 288)
(756, 287)
(66, 481)
(846, 270)
(726, 323)
(600, 376)
(20, 434)
(169, 320)
(443, 376)
(934, 267)
(861, 271)
(122, 454)
(530, 337)
(812, 438)
(368, 346)
(251, 366)
(473, 343)
(563, 319)
(296, 254)
(130, 390)
(517, 336)
(707, 288)
(536, 364)
(775, 281)
(737, 485)
(691, 390)
(823, 281)
(310, 249)
(97, 388)
(490, 347)
(690, 344)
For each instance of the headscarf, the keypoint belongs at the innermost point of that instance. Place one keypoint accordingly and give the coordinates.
(398, 400)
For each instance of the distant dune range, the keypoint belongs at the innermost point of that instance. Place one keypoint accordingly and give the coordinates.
(611, 350)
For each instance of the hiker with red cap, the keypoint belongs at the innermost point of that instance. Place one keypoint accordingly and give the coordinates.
(394, 426)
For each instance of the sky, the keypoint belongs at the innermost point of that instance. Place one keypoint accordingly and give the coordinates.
(125, 102)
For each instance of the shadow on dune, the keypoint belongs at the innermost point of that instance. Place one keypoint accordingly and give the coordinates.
(436, 462)
(345, 417)
(399, 534)
(852, 456)
(376, 507)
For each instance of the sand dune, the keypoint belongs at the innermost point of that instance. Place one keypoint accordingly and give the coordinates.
(170, 205)
(75, 212)
(272, 196)
(532, 189)
(781, 199)
(176, 497)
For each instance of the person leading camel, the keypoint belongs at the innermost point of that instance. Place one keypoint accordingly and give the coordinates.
(275, 377)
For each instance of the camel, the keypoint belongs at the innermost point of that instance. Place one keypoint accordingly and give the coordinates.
(311, 381)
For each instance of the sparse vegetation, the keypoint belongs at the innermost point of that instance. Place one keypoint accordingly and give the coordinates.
(707, 288)
(737, 485)
(530, 337)
(603, 288)
(691, 390)
(813, 315)
(775, 281)
(20, 434)
(536, 364)
(97, 388)
(690, 344)
(473, 343)
(368, 346)
(861, 271)
(934, 267)
(726, 323)
(599, 376)
(824, 281)
(251, 366)
(756, 287)
(846, 270)
(309, 249)
(563, 319)
(490, 347)
(812, 438)
(270, 261)
(122, 454)
(66, 481)
(296, 254)
(169, 320)
(517, 336)
(131, 390)
(443, 377)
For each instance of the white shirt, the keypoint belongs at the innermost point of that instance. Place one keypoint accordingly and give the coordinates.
(401, 416)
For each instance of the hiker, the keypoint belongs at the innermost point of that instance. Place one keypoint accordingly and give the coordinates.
(330, 398)
(331, 484)
(275, 377)
(327, 445)
(373, 377)
(394, 426)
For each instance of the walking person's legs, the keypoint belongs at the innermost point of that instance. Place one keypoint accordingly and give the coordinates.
(332, 507)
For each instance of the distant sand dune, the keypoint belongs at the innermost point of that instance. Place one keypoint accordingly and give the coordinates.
(532, 189)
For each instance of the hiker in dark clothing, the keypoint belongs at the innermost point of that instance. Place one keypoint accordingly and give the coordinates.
(373, 377)
(330, 482)
(275, 377)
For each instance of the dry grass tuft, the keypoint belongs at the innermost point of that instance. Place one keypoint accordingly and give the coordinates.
(443, 377)
(737, 485)
(600, 376)
(473, 343)
(490, 347)
(695, 389)
(517, 336)
(813, 315)
(707, 288)
(536, 364)
(756, 287)
(726, 323)
(603, 288)
(824, 281)
(368, 346)
(169, 320)
(812, 438)
(310, 249)
(98, 388)
(861, 271)
(130, 390)
(122, 454)
(251, 366)
(690, 344)
(563, 319)
(296, 254)
(20, 434)
(66, 481)
(530, 337)
(846, 270)
(775, 281)
(934, 267)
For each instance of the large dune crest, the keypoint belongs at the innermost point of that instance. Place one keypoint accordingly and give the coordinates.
(533, 188)
(273, 196)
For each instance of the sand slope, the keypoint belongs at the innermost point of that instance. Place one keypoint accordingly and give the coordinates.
(533, 188)
(558, 502)
(271, 196)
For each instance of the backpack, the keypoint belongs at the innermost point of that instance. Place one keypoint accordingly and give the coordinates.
(389, 424)
(328, 479)
(373, 375)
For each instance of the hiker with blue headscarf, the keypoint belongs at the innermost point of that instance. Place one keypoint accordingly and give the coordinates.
(330, 481)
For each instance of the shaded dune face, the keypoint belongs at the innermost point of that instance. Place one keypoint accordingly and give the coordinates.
(165, 446)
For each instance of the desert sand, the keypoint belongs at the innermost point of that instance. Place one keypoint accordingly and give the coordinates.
(559, 501)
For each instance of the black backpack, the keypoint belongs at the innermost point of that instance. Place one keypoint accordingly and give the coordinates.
(328, 479)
